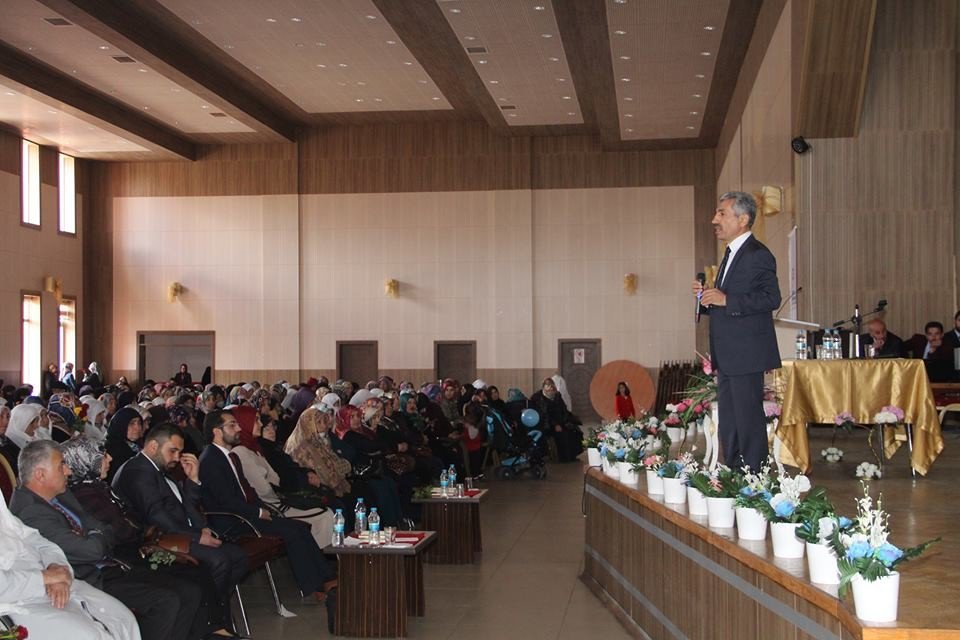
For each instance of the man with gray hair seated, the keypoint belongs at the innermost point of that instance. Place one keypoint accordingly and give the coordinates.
(38, 590)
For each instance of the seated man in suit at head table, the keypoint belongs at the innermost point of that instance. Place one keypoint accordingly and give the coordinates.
(929, 345)
(952, 338)
(887, 344)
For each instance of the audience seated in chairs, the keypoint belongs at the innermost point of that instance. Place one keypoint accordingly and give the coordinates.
(88, 467)
(224, 488)
(173, 506)
(39, 592)
(165, 607)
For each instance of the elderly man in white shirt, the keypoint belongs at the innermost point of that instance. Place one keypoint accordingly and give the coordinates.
(38, 592)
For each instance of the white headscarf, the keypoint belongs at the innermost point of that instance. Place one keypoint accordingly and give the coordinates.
(20, 418)
(330, 400)
(287, 399)
(360, 398)
(561, 385)
(95, 408)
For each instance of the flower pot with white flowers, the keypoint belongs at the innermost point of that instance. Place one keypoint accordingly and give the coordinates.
(720, 487)
(868, 561)
(818, 522)
(781, 511)
(591, 442)
(674, 474)
(751, 522)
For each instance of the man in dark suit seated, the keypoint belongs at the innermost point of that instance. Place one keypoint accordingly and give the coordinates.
(952, 338)
(224, 487)
(165, 607)
(930, 345)
(886, 344)
(173, 506)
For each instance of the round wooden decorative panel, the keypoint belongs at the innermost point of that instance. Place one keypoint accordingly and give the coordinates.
(603, 387)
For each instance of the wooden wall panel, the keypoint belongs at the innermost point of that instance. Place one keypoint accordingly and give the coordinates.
(876, 210)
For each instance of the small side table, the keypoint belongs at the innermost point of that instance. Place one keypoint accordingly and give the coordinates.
(457, 523)
(380, 586)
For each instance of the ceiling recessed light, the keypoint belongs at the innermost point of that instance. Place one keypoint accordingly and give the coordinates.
(322, 66)
(624, 57)
(230, 46)
(694, 113)
(391, 42)
(700, 76)
(553, 59)
(691, 127)
(342, 65)
(11, 93)
(104, 47)
(470, 38)
(142, 70)
(709, 27)
(624, 79)
(50, 111)
(358, 99)
(620, 32)
(320, 44)
(628, 99)
(561, 79)
(494, 82)
(422, 81)
(628, 115)
(620, 1)
(511, 115)
(146, 108)
(539, 7)
(571, 113)
(435, 98)
(546, 35)
(454, 10)
(481, 62)
(361, 83)
(298, 45)
(698, 95)
(408, 63)
(567, 98)
(378, 99)
(705, 53)
(296, 19)
(271, 19)
(369, 17)
(629, 130)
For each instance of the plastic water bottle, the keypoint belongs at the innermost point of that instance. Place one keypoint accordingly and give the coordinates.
(452, 476)
(837, 353)
(339, 526)
(444, 483)
(801, 345)
(360, 516)
(374, 523)
(828, 345)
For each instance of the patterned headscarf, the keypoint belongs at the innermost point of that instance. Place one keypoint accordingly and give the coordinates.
(309, 447)
(344, 417)
(84, 457)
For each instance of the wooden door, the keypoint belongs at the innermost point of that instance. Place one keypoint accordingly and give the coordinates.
(579, 361)
(358, 361)
(455, 359)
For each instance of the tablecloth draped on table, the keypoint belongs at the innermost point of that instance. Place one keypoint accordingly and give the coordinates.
(817, 390)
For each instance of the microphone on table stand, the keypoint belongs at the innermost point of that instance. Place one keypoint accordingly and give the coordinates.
(792, 296)
(702, 279)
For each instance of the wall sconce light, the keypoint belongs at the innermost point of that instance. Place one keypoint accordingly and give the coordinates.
(391, 288)
(769, 200)
(630, 284)
(174, 290)
(54, 286)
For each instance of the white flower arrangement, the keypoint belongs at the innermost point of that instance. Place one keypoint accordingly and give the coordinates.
(889, 415)
(868, 470)
(785, 502)
(832, 454)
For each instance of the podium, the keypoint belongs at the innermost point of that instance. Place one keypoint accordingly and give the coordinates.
(786, 330)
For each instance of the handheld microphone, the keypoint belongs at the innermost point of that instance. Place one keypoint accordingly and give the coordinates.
(702, 279)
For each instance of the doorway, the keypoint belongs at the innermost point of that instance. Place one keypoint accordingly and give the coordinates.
(579, 361)
(358, 361)
(455, 359)
(160, 353)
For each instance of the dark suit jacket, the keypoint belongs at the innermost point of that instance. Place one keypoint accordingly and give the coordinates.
(220, 490)
(742, 338)
(892, 347)
(918, 343)
(84, 550)
(951, 339)
(145, 491)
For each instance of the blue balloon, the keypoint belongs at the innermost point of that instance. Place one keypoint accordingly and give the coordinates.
(530, 417)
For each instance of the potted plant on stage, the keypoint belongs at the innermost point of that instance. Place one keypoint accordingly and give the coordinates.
(633, 452)
(674, 474)
(753, 495)
(818, 522)
(672, 423)
(651, 464)
(720, 487)
(869, 562)
(591, 442)
(781, 512)
(696, 501)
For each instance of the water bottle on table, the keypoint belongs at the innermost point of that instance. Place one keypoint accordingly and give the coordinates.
(374, 523)
(360, 516)
(339, 524)
(444, 483)
(452, 476)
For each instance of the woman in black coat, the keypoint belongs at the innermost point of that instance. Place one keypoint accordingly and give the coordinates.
(123, 438)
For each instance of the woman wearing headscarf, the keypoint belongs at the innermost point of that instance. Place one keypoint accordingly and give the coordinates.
(123, 438)
(96, 415)
(93, 376)
(28, 422)
(89, 466)
(444, 441)
(495, 401)
(8, 450)
(310, 447)
(181, 416)
(263, 478)
(62, 419)
(557, 422)
(360, 447)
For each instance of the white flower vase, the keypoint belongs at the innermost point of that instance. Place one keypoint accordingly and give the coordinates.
(822, 562)
(610, 468)
(654, 483)
(876, 601)
(675, 434)
(751, 525)
(593, 457)
(786, 544)
(720, 513)
(696, 503)
(674, 491)
(628, 475)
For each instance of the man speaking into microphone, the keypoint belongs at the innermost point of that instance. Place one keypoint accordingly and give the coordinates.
(743, 344)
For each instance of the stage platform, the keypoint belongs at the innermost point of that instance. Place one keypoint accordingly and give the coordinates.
(669, 576)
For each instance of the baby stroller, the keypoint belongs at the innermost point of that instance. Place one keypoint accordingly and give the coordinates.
(520, 449)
